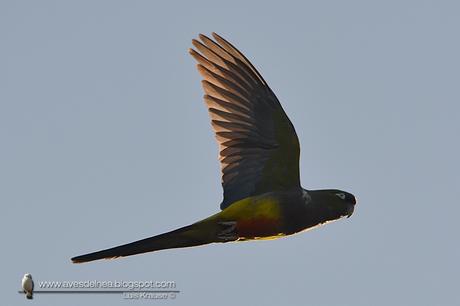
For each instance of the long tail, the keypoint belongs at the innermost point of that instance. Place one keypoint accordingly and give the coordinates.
(188, 236)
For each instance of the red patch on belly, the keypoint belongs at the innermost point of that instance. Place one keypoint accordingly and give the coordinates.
(261, 227)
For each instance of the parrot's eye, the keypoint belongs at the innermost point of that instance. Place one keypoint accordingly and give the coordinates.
(341, 195)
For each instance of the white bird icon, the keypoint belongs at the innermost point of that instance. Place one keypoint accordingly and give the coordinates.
(28, 285)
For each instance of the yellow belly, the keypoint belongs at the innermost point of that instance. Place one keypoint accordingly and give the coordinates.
(257, 217)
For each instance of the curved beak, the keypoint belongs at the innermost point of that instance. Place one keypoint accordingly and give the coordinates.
(351, 208)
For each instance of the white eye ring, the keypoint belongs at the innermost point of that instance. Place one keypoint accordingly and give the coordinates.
(341, 195)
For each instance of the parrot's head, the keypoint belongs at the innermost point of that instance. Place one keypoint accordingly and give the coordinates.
(342, 202)
(335, 203)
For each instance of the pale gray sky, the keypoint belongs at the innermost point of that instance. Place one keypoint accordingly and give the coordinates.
(105, 140)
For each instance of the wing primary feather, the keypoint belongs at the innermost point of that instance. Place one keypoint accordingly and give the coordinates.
(209, 54)
(242, 70)
(216, 48)
(219, 69)
(232, 126)
(223, 82)
(227, 106)
(237, 54)
(223, 94)
(226, 56)
(229, 116)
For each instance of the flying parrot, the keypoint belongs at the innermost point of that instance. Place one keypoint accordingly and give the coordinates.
(259, 157)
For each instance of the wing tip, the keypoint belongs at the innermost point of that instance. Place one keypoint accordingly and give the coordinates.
(216, 36)
(202, 36)
(196, 43)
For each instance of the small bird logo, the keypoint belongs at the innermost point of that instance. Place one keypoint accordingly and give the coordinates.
(28, 286)
(259, 156)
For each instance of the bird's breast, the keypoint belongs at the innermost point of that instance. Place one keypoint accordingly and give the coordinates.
(258, 228)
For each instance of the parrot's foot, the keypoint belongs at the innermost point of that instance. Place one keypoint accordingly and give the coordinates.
(228, 233)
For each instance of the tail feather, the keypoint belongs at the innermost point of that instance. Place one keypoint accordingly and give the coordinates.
(183, 237)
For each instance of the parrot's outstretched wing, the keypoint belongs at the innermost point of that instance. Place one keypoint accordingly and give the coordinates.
(259, 148)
